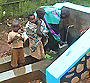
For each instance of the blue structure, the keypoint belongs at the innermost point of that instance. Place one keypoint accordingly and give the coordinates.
(68, 59)
(73, 54)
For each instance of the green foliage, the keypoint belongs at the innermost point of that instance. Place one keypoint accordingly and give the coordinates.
(29, 6)
(3, 1)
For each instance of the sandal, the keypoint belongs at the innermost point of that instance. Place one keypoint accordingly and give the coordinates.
(52, 52)
(48, 56)
(63, 45)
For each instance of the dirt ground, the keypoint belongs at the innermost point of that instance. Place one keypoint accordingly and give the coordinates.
(4, 47)
(5, 28)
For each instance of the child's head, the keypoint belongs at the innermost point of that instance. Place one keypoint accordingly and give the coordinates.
(40, 13)
(15, 25)
(64, 13)
(31, 17)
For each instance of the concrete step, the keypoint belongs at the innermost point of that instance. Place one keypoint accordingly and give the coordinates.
(6, 61)
(35, 71)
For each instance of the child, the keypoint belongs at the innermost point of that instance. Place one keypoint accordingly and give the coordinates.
(32, 25)
(36, 46)
(17, 39)
(37, 32)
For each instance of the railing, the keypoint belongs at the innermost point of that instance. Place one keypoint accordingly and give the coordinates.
(11, 2)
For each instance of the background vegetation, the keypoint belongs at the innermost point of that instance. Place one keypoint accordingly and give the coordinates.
(21, 9)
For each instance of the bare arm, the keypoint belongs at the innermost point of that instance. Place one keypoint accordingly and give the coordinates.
(38, 28)
(14, 38)
(21, 37)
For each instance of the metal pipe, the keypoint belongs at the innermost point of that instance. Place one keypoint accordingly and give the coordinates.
(70, 26)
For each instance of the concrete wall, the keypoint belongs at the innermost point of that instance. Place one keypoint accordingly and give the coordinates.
(79, 19)
(36, 75)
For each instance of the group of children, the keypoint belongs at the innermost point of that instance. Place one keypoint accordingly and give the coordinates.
(38, 38)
